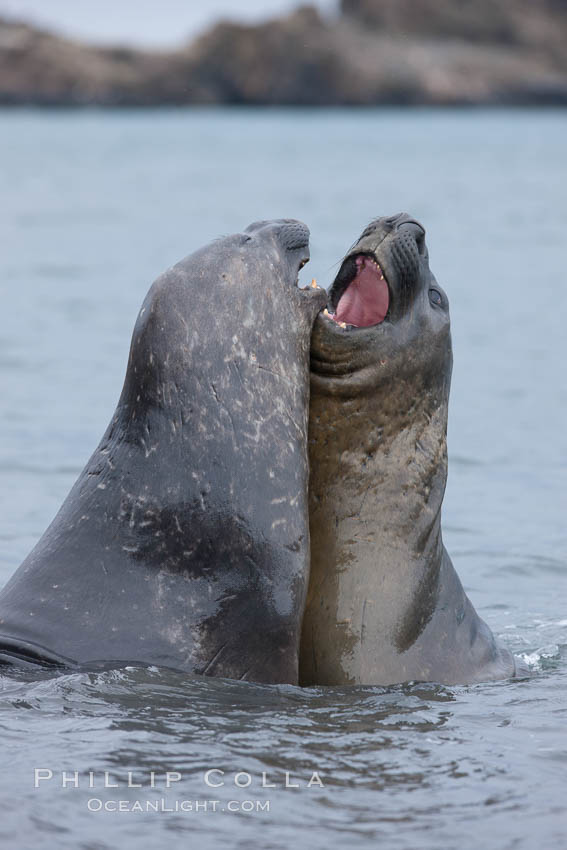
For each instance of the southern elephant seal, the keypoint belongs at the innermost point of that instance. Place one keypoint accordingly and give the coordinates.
(185, 540)
(385, 604)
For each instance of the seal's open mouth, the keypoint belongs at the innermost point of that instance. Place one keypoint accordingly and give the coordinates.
(360, 296)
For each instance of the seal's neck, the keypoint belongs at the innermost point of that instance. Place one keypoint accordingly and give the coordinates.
(381, 462)
(378, 474)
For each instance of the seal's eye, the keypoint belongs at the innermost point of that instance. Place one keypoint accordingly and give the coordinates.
(435, 297)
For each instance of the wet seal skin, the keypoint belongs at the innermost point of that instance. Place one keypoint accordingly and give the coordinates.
(185, 540)
(385, 604)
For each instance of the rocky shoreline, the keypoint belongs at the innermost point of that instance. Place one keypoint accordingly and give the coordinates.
(398, 52)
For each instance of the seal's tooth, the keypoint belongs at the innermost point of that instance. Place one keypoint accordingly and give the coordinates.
(342, 324)
(325, 312)
(314, 284)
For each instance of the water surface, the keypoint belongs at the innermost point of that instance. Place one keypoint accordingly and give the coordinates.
(95, 205)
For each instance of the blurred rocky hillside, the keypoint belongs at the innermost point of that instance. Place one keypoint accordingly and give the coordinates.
(373, 52)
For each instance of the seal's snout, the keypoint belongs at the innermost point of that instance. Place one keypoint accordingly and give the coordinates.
(289, 233)
(401, 225)
(294, 235)
(406, 250)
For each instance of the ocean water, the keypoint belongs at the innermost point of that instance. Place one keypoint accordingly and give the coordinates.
(94, 205)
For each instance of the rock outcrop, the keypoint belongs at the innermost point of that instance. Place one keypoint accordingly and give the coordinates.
(374, 52)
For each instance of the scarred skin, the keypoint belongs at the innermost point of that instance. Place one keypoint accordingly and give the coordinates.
(185, 540)
(385, 604)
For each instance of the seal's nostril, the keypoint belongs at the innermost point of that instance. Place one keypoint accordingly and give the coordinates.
(396, 219)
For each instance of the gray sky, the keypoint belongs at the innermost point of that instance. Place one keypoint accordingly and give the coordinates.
(146, 22)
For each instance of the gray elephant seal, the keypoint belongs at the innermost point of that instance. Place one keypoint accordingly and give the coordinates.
(185, 540)
(385, 604)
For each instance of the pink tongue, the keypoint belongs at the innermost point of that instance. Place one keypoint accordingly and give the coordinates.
(366, 300)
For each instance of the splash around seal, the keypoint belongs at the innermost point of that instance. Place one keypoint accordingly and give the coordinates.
(385, 604)
(185, 541)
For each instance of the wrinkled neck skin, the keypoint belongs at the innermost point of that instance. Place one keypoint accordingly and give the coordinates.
(384, 603)
(387, 447)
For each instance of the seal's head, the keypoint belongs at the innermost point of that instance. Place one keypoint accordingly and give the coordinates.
(241, 289)
(387, 318)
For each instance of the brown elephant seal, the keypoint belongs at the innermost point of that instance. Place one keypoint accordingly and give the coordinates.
(185, 540)
(385, 604)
